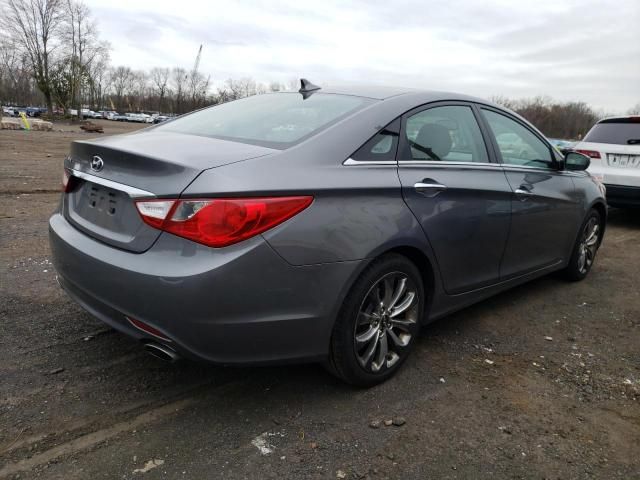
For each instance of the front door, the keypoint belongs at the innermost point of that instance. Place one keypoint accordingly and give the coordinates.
(459, 195)
(544, 205)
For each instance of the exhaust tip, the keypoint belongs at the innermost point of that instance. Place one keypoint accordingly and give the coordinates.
(162, 352)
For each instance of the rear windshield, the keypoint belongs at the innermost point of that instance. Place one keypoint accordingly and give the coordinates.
(620, 132)
(277, 120)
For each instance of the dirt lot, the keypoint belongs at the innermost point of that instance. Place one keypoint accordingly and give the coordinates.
(540, 382)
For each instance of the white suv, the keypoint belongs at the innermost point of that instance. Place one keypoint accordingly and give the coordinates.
(613, 144)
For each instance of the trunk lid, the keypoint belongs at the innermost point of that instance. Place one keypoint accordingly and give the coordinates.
(137, 165)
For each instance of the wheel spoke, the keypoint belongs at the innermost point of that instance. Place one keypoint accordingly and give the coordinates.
(388, 291)
(404, 305)
(401, 341)
(365, 318)
(400, 289)
(368, 354)
(403, 323)
(592, 239)
(383, 349)
(366, 336)
(582, 260)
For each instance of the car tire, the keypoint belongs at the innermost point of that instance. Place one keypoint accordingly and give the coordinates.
(585, 248)
(382, 313)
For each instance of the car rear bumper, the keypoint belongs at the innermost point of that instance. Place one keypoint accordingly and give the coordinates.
(236, 305)
(623, 195)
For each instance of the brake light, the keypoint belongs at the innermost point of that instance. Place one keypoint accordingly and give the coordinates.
(68, 180)
(219, 222)
(589, 153)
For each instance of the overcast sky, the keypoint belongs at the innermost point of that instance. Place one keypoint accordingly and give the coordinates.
(570, 50)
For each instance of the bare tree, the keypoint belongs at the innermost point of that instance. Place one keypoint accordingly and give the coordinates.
(16, 80)
(139, 90)
(276, 86)
(560, 120)
(179, 83)
(80, 35)
(160, 80)
(98, 77)
(122, 82)
(238, 88)
(33, 25)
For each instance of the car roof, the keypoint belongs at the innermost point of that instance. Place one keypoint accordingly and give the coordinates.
(621, 119)
(382, 92)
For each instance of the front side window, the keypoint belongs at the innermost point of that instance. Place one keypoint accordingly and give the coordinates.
(448, 133)
(277, 120)
(517, 144)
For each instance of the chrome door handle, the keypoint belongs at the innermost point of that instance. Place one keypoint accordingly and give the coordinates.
(429, 189)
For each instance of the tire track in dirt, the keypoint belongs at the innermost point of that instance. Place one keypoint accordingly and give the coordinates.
(88, 440)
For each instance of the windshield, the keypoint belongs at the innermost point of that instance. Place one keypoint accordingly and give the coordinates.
(277, 120)
(620, 132)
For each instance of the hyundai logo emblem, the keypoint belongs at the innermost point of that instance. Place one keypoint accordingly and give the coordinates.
(97, 164)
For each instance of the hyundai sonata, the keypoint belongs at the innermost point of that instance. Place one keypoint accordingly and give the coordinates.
(321, 225)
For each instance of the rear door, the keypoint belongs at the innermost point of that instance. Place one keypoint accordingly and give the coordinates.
(544, 205)
(457, 192)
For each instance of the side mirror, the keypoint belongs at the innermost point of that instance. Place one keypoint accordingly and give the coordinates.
(576, 161)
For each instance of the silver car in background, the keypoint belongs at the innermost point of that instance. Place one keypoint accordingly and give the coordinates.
(327, 225)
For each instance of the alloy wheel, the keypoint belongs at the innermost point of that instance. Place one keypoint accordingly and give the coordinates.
(387, 322)
(588, 245)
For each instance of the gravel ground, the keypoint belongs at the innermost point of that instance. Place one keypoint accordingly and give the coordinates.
(540, 382)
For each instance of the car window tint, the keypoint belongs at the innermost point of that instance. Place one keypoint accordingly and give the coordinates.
(517, 144)
(381, 147)
(276, 120)
(448, 133)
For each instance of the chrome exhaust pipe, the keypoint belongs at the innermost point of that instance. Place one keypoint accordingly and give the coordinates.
(162, 352)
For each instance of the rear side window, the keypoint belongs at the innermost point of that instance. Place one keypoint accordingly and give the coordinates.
(448, 133)
(619, 131)
(277, 120)
(382, 146)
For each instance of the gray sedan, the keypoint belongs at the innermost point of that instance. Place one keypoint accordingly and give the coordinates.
(321, 225)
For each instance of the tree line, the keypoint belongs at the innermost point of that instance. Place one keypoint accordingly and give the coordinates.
(569, 120)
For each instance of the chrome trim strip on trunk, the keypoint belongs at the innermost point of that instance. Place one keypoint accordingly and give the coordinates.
(131, 191)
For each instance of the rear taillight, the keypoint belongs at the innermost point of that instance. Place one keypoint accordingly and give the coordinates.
(218, 222)
(68, 180)
(589, 153)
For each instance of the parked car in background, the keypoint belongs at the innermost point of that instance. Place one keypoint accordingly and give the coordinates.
(613, 144)
(160, 119)
(140, 117)
(92, 114)
(326, 225)
(10, 111)
(119, 117)
(35, 111)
